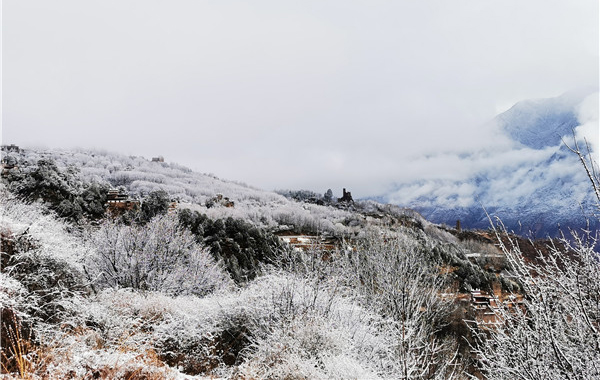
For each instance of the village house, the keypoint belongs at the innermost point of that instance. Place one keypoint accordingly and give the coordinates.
(219, 199)
(310, 242)
(117, 202)
(487, 305)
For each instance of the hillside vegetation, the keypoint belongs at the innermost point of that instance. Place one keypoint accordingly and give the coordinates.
(192, 279)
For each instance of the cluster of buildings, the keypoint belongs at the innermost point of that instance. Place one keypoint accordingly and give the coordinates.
(310, 242)
(118, 201)
(488, 306)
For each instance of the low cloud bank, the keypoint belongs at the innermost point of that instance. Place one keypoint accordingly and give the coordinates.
(510, 175)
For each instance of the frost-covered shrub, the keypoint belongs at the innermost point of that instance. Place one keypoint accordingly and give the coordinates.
(242, 247)
(36, 252)
(397, 276)
(312, 330)
(79, 360)
(439, 234)
(157, 256)
(12, 294)
(39, 293)
(61, 189)
(279, 325)
(31, 223)
(51, 282)
(50, 322)
(154, 204)
(41, 285)
(302, 195)
(16, 333)
(554, 332)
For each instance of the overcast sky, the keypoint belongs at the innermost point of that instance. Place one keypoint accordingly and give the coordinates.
(286, 94)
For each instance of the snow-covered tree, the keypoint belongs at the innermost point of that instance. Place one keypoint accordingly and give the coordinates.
(158, 256)
(399, 277)
(328, 196)
(555, 332)
(395, 275)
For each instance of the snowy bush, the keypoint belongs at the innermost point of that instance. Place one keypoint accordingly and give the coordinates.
(313, 331)
(41, 283)
(280, 325)
(61, 189)
(242, 247)
(398, 276)
(158, 256)
(554, 333)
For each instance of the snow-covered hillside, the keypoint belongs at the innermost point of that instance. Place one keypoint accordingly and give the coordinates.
(160, 293)
(265, 209)
(127, 300)
(540, 123)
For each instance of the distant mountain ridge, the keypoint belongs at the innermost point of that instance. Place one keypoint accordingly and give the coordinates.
(539, 123)
(536, 186)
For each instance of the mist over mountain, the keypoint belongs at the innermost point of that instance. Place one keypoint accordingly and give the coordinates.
(526, 177)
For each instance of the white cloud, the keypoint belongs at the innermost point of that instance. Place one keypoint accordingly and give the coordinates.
(589, 128)
(503, 173)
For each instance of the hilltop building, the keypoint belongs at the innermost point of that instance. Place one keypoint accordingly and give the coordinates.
(346, 197)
